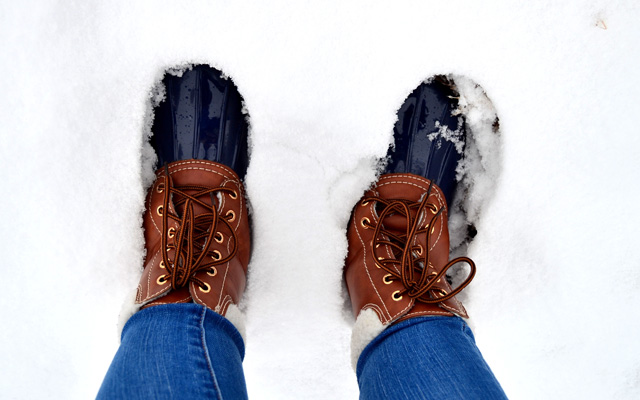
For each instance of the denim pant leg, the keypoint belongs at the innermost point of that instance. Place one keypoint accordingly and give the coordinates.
(426, 358)
(177, 351)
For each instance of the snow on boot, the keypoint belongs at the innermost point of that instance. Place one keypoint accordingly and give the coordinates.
(429, 136)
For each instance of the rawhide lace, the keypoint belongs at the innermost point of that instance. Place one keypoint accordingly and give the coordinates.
(409, 262)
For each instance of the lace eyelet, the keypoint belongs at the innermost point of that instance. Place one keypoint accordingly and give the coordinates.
(233, 195)
(233, 215)
(419, 251)
(386, 279)
(162, 265)
(396, 296)
(206, 289)
(160, 187)
(433, 208)
(364, 203)
(161, 280)
(159, 210)
(171, 232)
(216, 255)
(218, 237)
(365, 222)
(212, 271)
(440, 292)
(433, 228)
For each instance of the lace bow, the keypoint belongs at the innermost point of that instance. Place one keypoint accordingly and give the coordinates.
(410, 262)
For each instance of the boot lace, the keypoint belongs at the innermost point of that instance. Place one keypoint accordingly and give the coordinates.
(409, 262)
(194, 233)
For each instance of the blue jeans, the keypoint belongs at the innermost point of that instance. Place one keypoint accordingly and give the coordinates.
(177, 351)
(187, 351)
(426, 358)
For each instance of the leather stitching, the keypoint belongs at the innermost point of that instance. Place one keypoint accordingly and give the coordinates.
(366, 269)
(416, 313)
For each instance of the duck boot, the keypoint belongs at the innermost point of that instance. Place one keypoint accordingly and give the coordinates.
(196, 225)
(398, 236)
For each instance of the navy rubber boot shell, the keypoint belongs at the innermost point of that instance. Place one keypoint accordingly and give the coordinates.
(201, 117)
(426, 135)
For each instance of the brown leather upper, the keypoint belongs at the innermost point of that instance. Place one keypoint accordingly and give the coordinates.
(205, 234)
(390, 267)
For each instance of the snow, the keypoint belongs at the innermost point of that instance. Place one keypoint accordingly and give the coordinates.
(554, 303)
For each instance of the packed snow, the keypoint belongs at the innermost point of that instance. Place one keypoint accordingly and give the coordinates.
(552, 193)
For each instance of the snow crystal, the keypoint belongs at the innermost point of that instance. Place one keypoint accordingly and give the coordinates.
(445, 133)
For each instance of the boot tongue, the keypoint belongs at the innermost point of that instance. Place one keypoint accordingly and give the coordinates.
(181, 180)
(197, 208)
(397, 223)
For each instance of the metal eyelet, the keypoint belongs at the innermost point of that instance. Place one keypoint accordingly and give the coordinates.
(440, 292)
(233, 215)
(433, 208)
(396, 296)
(419, 251)
(161, 280)
(234, 195)
(206, 289)
(216, 255)
(218, 237)
(162, 265)
(159, 210)
(160, 187)
(364, 203)
(364, 222)
(386, 280)
(212, 271)
(433, 228)
(171, 232)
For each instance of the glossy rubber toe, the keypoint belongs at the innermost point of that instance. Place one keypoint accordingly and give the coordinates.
(429, 140)
(201, 117)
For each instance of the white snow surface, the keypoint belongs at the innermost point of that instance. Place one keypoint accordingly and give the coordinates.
(554, 305)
